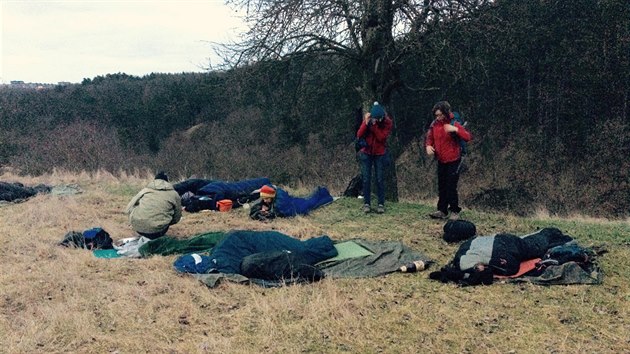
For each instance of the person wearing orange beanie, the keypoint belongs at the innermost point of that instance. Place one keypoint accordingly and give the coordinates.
(267, 192)
(263, 209)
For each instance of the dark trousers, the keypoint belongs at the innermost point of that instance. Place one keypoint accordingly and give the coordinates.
(448, 176)
(367, 161)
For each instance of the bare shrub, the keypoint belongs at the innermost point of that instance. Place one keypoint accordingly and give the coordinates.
(416, 173)
(73, 147)
(605, 169)
(243, 146)
(522, 175)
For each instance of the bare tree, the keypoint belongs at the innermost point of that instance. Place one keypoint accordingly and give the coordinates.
(374, 35)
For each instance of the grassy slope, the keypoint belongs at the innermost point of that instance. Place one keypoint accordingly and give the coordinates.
(62, 300)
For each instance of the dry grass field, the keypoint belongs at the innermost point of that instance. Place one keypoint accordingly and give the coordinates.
(58, 300)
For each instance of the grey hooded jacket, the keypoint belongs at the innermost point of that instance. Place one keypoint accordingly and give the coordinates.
(155, 207)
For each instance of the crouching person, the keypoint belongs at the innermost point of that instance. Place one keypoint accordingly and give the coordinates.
(155, 208)
(263, 209)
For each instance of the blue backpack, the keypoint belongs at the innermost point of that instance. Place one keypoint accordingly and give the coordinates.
(93, 239)
(457, 117)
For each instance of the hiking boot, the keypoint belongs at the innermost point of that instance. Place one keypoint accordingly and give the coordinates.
(380, 209)
(367, 208)
(437, 215)
(453, 216)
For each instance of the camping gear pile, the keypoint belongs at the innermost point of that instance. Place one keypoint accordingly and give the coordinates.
(544, 257)
(271, 258)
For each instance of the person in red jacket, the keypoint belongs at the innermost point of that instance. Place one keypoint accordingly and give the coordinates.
(442, 141)
(375, 129)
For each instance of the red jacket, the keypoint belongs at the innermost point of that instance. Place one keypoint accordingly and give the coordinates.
(446, 146)
(376, 136)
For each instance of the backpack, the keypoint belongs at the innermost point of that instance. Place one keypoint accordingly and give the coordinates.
(355, 187)
(458, 230)
(569, 252)
(359, 143)
(94, 238)
(97, 238)
(457, 117)
(200, 202)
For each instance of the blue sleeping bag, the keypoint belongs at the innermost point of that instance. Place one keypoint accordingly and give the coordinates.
(287, 206)
(218, 190)
(226, 257)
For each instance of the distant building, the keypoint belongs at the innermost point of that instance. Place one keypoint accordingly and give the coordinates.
(19, 84)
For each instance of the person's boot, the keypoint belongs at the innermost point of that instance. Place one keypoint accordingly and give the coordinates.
(380, 209)
(437, 215)
(367, 208)
(453, 216)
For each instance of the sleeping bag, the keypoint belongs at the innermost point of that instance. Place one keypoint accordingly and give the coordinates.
(286, 205)
(499, 254)
(228, 255)
(207, 196)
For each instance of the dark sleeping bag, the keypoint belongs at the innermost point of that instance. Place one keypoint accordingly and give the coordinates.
(502, 255)
(219, 190)
(502, 252)
(191, 185)
(228, 255)
(280, 266)
(200, 194)
(539, 242)
(17, 191)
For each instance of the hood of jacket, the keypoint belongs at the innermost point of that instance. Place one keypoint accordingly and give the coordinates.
(160, 185)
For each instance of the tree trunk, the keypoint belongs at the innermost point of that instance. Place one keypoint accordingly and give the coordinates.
(380, 76)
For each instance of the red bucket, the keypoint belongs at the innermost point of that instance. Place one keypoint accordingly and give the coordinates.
(224, 205)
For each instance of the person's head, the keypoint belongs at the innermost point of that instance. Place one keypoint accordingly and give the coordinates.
(161, 175)
(377, 112)
(441, 110)
(267, 193)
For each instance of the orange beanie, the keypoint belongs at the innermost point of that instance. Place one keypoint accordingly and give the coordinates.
(267, 192)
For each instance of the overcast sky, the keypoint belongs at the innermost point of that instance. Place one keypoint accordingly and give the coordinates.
(45, 41)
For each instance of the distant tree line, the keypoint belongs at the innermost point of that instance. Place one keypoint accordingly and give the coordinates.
(543, 84)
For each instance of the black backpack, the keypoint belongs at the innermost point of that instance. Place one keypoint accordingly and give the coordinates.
(93, 239)
(458, 230)
(355, 187)
(200, 202)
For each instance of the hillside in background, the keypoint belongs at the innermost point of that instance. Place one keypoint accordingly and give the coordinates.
(544, 86)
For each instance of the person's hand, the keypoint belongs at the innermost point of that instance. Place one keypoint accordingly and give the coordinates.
(480, 267)
(450, 128)
(366, 118)
(430, 150)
